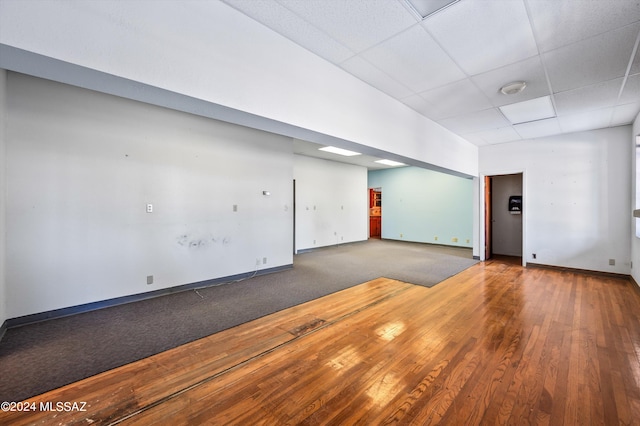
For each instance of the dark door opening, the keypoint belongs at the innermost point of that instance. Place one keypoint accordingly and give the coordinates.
(503, 215)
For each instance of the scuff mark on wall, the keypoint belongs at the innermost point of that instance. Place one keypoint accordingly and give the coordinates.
(198, 242)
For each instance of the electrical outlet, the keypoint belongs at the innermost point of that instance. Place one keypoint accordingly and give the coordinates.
(454, 240)
(612, 262)
(435, 238)
(257, 262)
(401, 235)
(533, 255)
(468, 241)
(235, 207)
(149, 208)
(264, 260)
(149, 279)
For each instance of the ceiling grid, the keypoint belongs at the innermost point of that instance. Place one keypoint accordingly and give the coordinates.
(450, 66)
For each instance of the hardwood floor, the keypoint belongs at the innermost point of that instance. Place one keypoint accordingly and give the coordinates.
(496, 344)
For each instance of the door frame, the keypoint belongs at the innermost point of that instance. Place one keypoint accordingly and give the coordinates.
(488, 217)
(484, 216)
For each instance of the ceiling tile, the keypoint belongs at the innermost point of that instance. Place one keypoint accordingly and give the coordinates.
(420, 104)
(530, 71)
(358, 24)
(625, 114)
(558, 23)
(586, 120)
(475, 121)
(414, 58)
(590, 61)
(538, 129)
(368, 73)
(481, 35)
(596, 96)
(286, 23)
(475, 139)
(501, 135)
(456, 98)
(635, 66)
(631, 91)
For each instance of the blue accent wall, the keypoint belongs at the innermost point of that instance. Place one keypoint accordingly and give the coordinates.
(425, 206)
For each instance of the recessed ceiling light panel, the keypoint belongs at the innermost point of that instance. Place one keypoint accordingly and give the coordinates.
(531, 110)
(339, 151)
(390, 163)
(425, 8)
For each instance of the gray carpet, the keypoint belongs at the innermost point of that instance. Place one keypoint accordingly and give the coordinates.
(39, 357)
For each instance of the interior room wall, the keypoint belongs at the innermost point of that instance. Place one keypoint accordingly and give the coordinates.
(576, 196)
(3, 201)
(331, 202)
(237, 63)
(506, 227)
(635, 241)
(82, 167)
(425, 206)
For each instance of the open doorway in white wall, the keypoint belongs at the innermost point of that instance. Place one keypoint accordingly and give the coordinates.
(504, 216)
(375, 212)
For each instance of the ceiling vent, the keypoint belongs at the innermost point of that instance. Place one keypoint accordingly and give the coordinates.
(513, 88)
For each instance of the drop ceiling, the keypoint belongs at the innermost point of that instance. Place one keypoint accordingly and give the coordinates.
(581, 54)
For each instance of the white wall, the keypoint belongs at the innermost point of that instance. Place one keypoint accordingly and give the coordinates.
(331, 202)
(81, 167)
(425, 206)
(635, 241)
(575, 196)
(506, 228)
(3, 201)
(236, 62)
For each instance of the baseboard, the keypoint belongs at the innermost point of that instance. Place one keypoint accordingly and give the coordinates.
(78, 309)
(310, 249)
(635, 285)
(3, 329)
(577, 270)
(307, 250)
(429, 243)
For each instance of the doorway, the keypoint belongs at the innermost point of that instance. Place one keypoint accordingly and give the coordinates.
(295, 251)
(503, 215)
(375, 212)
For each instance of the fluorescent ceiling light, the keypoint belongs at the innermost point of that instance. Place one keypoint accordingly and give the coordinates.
(390, 163)
(425, 8)
(339, 151)
(531, 110)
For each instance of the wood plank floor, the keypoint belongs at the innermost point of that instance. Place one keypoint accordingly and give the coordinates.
(496, 344)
